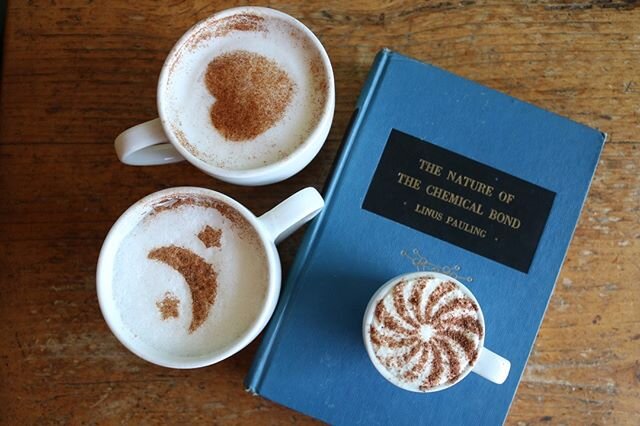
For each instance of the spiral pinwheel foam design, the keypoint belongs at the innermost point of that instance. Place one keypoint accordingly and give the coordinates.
(426, 332)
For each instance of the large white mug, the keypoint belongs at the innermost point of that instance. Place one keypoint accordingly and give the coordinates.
(184, 103)
(271, 227)
(488, 364)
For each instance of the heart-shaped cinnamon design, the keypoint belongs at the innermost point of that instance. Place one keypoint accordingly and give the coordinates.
(252, 93)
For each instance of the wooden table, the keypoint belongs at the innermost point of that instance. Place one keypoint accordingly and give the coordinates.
(76, 73)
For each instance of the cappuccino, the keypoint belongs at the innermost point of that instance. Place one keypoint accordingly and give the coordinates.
(244, 91)
(190, 277)
(426, 332)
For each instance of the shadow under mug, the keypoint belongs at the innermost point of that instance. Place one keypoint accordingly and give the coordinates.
(157, 142)
(488, 365)
(272, 227)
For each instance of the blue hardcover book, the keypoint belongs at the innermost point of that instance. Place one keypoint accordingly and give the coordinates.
(436, 173)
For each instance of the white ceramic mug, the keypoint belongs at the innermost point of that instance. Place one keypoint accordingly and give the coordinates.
(271, 227)
(489, 365)
(159, 141)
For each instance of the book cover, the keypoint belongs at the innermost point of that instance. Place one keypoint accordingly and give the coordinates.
(436, 173)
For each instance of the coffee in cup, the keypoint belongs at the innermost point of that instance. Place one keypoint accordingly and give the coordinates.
(188, 276)
(425, 332)
(244, 91)
(246, 95)
(191, 276)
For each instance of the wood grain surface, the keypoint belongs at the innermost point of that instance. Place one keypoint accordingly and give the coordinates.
(76, 73)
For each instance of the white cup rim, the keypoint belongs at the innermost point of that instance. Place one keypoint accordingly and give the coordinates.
(278, 170)
(110, 311)
(368, 319)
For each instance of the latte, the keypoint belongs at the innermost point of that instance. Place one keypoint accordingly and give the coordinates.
(245, 91)
(190, 277)
(426, 332)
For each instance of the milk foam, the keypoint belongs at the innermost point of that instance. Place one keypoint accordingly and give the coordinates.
(403, 327)
(188, 102)
(139, 282)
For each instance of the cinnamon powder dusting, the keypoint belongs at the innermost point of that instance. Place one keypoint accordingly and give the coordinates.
(383, 316)
(210, 237)
(401, 306)
(433, 378)
(221, 27)
(168, 306)
(431, 346)
(454, 363)
(251, 91)
(238, 222)
(198, 274)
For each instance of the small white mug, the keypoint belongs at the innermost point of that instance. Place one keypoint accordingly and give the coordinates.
(488, 364)
(273, 226)
(161, 140)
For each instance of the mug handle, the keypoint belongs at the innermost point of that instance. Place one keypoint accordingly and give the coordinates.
(146, 145)
(492, 366)
(285, 218)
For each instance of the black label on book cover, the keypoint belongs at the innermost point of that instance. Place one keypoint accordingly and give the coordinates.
(459, 200)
